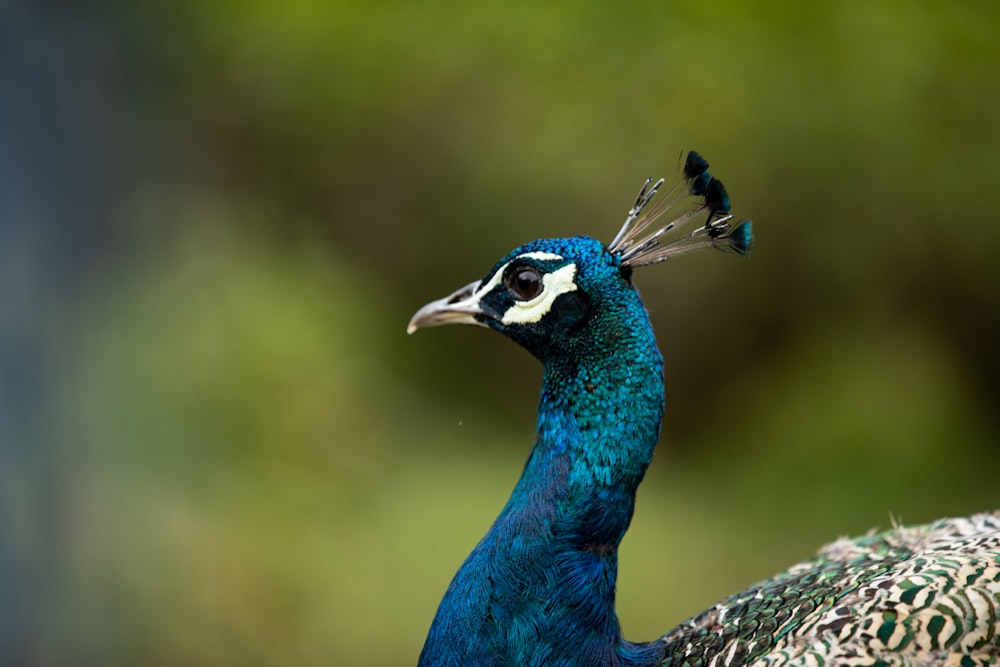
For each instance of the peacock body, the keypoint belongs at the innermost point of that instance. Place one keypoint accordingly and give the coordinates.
(539, 588)
(927, 595)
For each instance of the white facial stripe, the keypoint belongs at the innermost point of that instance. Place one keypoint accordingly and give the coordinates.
(558, 282)
(538, 254)
(494, 281)
(498, 276)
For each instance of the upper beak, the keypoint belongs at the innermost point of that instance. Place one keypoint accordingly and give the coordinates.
(460, 307)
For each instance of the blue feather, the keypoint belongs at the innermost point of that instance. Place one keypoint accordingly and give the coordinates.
(741, 238)
(542, 580)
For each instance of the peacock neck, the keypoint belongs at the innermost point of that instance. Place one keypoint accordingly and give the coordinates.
(598, 422)
(542, 580)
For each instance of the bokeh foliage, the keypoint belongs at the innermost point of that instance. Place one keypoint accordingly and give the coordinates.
(218, 447)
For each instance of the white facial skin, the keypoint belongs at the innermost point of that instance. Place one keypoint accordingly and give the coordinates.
(558, 282)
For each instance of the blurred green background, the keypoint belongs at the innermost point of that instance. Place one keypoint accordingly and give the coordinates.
(219, 447)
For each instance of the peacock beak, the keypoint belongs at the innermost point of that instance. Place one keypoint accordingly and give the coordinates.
(460, 307)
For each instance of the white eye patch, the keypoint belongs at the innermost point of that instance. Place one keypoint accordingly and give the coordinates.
(555, 283)
(558, 282)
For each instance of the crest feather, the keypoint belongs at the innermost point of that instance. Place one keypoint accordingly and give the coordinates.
(634, 247)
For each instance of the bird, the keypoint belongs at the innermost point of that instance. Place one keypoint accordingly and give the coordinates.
(539, 588)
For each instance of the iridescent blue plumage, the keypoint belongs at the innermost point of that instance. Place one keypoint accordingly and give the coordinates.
(539, 588)
(696, 170)
(704, 184)
(741, 238)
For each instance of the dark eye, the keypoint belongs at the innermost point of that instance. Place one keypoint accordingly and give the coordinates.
(523, 282)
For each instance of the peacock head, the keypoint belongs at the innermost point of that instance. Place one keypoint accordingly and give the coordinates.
(545, 294)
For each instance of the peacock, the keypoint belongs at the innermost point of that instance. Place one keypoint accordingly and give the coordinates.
(539, 588)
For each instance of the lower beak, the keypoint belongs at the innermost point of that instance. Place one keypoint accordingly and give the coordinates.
(460, 307)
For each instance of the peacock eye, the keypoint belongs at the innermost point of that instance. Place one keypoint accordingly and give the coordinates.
(523, 282)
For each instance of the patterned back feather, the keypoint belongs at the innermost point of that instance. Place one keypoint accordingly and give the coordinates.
(928, 595)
